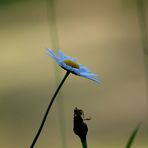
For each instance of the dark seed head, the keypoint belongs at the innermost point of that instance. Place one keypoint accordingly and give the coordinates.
(80, 128)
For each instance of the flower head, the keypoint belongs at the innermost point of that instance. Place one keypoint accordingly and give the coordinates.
(70, 64)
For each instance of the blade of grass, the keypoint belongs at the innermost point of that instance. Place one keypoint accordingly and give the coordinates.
(133, 135)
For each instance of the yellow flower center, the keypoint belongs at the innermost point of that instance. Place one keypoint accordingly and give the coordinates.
(71, 63)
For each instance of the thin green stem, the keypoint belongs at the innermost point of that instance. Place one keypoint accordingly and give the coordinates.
(84, 143)
(48, 109)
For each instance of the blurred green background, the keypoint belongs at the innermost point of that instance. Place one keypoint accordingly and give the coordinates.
(108, 36)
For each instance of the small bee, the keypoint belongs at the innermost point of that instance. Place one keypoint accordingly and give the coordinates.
(80, 128)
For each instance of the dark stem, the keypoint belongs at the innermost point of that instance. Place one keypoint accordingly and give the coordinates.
(84, 143)
(48, 109)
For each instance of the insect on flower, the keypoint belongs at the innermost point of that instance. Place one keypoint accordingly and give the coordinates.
(70, 64)
(80, 128)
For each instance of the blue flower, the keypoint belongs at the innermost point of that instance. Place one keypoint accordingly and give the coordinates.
(70, 64)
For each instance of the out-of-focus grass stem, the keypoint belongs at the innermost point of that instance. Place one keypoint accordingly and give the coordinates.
(51, 14)
(144, 38)
(52, 21)
(143, 25)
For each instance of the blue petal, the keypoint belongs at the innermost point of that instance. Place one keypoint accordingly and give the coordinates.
(67, 67)
(73, 59)
(64, 57)
(89, 74)
(83, 68)
(91, 77)
(53, 55)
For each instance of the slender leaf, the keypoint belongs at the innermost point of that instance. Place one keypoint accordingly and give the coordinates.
(132, 136)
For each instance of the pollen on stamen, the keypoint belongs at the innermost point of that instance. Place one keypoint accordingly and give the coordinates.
(71, 63)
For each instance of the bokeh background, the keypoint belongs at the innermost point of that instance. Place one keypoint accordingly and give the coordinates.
(108, 36)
